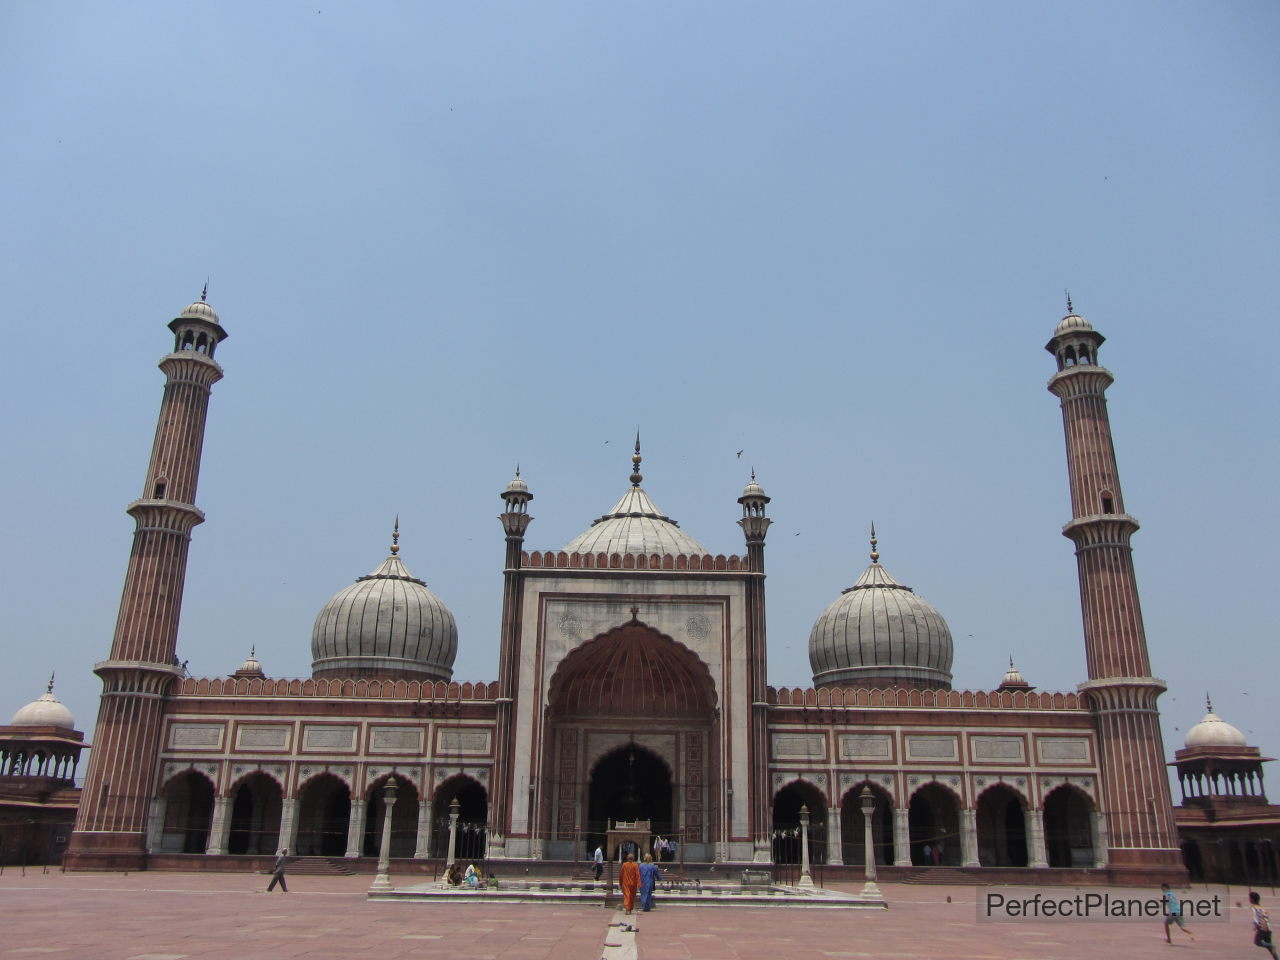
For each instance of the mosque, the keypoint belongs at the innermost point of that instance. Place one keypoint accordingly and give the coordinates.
(631, 701)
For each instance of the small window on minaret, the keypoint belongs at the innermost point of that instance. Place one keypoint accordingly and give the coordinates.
(1084, 355)
(158, 492)
(202, 344)
(1069, 357)
(188, 341)
(1108, 505)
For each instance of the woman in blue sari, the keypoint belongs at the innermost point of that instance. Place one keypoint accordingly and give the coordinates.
(649, 874)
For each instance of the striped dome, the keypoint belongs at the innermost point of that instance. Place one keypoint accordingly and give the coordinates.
(388, 625)
(879, 633)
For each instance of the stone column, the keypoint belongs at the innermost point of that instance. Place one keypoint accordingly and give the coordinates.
(1101, 838)
(1036, 856)
(355, 827)
(288, 825)
(835, 840)
(901, 838)
(155, 828)
(969, 838)
(805, 879)
(452, 852)
(422, 848)
(383, 880)
(218, 827)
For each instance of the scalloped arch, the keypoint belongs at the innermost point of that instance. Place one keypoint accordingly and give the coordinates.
(632, 670)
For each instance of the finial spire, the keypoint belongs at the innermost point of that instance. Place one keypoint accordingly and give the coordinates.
(753, 474)
(517, 469)
(1208, 704)
(253, 652)
(1011, 661)
(636, 475)
(395, 537)
(1070, 308)
(204, 294)
(875, 555)
(49, 688)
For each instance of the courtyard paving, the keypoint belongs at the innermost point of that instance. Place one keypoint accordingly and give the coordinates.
(189, 916)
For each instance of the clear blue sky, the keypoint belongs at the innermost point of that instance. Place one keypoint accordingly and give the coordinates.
(447, 238)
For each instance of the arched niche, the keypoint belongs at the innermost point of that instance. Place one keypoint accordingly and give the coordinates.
(934, 825)
(1002, 827)
(324, 814)
(187, 814)
(404, 817)
(473, 819)
(1068, 827)
(257, 800)
(787, 839)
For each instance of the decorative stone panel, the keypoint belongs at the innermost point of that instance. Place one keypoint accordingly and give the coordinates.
(396, 740)
(453, 741)
(1063, 749)
(326, 739)
(262, 736)
(869, 746)
(999, 749)
(932, 748)
(799, 746)
(196, 736)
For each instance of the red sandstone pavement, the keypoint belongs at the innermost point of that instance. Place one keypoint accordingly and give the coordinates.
(176, 916)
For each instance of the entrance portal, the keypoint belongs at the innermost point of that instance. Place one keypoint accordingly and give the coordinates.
(631, 783)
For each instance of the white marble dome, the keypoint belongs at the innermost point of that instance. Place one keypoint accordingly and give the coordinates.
(1213, 731)
(879, 633)
(387, 624)
(1072, 323)
(199, 311)
(635, 525)
(48, 711)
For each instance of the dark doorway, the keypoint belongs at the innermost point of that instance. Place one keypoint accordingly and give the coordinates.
(1002, 828)
(1068, 828)
(934, 820)
(473, 820)
(787, 839)
(853, 828)
(324, 815)
(631, 783)
(187, 813)
(404, 819)
(255, 816)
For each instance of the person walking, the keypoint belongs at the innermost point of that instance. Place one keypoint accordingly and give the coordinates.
(1262, 926)
(599, 863)
(1172, 914)
(629, 881)
(649, 874)
(277, 872)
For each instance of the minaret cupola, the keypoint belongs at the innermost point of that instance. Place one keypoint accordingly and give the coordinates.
(754, 523)
(1075, 342)
(197, 327)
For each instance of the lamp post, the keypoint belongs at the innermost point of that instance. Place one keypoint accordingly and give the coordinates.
(805, 879)
(870, 891)
(452, 855)
(383, 880)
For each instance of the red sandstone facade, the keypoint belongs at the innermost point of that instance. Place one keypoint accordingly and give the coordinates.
(631, 686)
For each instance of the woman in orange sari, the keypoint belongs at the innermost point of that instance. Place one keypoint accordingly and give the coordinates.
(629, 881)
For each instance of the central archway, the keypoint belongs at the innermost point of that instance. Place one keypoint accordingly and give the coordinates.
(630, 783)
(631, 721)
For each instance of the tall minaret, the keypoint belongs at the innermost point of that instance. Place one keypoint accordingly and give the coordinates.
(755, 525)
(1121, 691)
(111, 824)
(515, 521)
